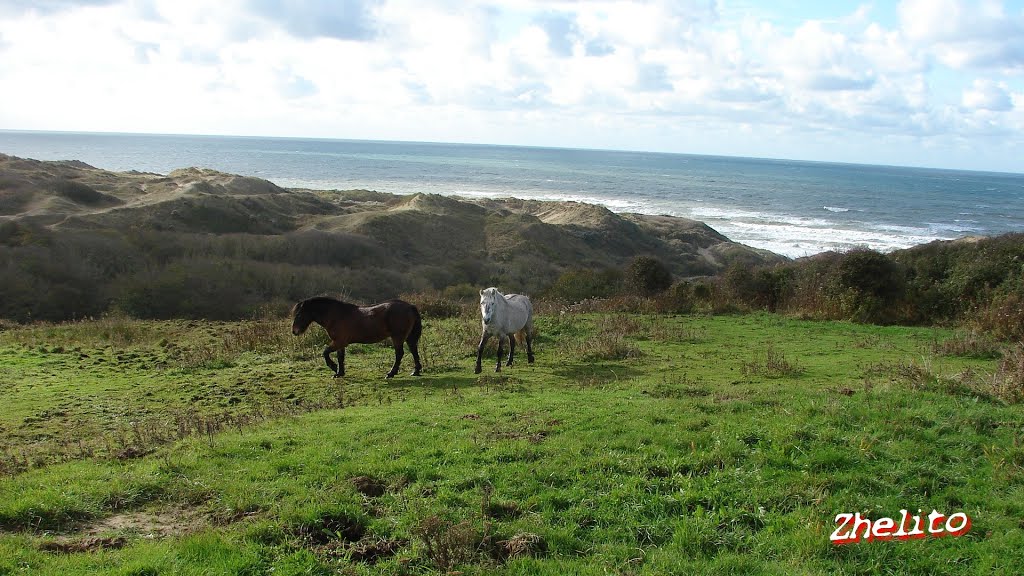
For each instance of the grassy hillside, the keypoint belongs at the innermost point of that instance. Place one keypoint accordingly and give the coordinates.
(636, 444)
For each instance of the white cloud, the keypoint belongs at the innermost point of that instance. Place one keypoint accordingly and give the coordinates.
(962, 34)
(518, 71)
(988, 95)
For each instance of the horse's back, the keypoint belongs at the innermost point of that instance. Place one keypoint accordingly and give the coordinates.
(383, 320)
(522, 301)
(521, 309)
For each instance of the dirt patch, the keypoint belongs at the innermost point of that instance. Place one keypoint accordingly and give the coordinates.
(159, 523)
(503, 510)
(132, 452)
(330, 527)
(367, 551)
(115, 531)
(371, 551)
(70, 546)
(369, 486)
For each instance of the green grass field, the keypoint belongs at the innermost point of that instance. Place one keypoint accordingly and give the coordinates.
(636, 444)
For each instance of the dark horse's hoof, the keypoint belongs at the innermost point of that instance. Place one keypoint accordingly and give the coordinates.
(416, 373)
(336, 375)
(476, 370)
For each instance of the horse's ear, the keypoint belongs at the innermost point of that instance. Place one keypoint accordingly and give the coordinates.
(482, 292)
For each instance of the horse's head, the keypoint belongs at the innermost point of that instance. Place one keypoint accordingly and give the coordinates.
(488, 297)
(301, 318)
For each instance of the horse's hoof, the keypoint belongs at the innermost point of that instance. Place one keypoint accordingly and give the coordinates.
(416, 373)
(476, 370)
(530, 359)
(389, 376)
(338, 375)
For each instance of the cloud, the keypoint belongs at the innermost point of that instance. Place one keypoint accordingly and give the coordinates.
(436, 69)
(988, 95)
(292, 86)
(341, 19)
(965, 35)
(652, 78)
(21, 7)
(561, 32)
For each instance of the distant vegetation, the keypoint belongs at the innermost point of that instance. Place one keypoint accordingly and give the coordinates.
(978, 283)
(78, 242)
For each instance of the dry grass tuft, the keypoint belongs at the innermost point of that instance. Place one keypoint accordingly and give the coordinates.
(969, 345)
(774, 364)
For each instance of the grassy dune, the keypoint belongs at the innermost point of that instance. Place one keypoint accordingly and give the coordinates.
(636, 444)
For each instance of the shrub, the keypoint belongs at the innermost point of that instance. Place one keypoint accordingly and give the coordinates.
(436, 305)
(1008, 382)
(646, 276)
(446, 544)
(969, 345)
(1005, 316)
(760, 288)
(678, 299)
(462, 293)
(583, 283)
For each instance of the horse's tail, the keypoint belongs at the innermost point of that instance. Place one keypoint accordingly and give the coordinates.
(417, 327)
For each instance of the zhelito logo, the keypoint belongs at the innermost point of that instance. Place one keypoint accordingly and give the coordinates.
(853, 528)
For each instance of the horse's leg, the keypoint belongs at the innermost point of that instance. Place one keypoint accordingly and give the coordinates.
(501, 344)
(341, 362)
(511, 348)
(414, 347)
(399, 352)
(480, 350)
(529, 341)
(330, 363)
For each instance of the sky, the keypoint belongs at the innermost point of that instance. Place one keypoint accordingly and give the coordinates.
(936, 83)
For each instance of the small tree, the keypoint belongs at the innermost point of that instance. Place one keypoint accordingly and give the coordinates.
(646, 276)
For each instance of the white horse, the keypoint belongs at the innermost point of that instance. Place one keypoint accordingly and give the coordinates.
(505, 316)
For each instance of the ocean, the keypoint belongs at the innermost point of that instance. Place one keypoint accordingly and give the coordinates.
(794, 208)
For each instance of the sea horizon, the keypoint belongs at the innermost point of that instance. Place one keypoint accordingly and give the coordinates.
(790, 207)
(500, 145)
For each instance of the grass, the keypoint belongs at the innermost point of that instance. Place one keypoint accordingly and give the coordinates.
(636, 444)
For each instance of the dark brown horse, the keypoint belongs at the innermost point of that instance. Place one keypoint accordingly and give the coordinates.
(350, 324)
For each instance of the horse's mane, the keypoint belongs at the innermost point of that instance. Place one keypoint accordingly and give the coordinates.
(494, 292)
(319, 303)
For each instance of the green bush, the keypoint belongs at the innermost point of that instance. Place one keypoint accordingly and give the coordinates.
(861, 285)
(680, 298)
(583, 283)
(646, 276)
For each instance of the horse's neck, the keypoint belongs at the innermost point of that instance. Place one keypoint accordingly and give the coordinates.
(329, 310)
(500, 301)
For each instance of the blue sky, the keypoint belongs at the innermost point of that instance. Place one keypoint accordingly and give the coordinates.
(916, 82)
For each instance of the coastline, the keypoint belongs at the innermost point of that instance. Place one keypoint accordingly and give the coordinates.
(789, 207)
